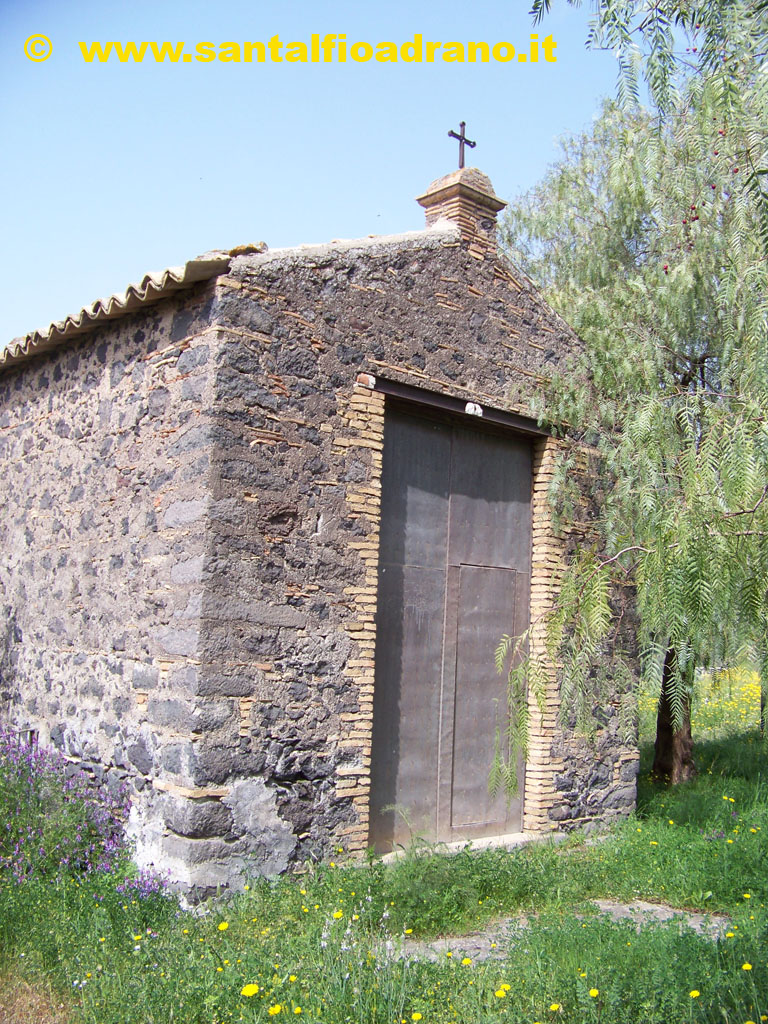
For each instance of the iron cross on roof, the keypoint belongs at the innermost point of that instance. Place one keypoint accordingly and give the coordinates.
(462, 142)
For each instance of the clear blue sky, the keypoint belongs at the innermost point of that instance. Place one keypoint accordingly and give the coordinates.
(110, 170)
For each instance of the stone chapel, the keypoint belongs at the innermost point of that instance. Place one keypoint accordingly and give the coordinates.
(265, 518)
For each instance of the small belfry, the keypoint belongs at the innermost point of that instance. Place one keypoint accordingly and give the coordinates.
(466, 197)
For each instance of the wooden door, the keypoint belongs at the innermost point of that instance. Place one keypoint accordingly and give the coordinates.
(454, 575)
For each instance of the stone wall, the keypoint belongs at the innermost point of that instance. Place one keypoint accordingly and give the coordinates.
(571, 780)
(105, 454)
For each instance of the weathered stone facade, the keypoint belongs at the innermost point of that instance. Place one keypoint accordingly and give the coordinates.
(190, 524)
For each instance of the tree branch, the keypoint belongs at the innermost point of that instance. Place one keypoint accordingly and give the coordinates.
(748, 511)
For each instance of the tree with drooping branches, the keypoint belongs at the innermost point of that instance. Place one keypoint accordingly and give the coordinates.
(649, 236)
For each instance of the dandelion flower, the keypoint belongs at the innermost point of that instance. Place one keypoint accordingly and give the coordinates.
(338, 913)
(594, 992)
(273, 1010)
(137, 938)
(554, 1007)
(747, 896)
(409, 931)
(500, 993)
(223, 925)
(746, 967)
(249, 990)
(416, 1016)
(694, 993)
(297, 1009)
(466, 961)
(506, 987)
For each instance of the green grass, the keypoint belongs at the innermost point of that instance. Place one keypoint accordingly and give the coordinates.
(324, 946)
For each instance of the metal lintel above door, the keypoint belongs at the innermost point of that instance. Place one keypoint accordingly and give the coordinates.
(461, 407)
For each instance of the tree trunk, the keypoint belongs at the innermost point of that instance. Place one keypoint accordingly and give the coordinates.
(673, 758)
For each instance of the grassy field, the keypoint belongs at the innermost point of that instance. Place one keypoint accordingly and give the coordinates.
(324, 946)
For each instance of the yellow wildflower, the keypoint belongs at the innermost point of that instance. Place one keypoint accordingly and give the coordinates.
(223, 925)
(249, 990)
(594, 992)
(694, 993)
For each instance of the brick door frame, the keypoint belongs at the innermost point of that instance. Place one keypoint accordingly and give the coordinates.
(362, 413)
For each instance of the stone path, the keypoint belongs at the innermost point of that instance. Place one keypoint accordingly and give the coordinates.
(494, 941)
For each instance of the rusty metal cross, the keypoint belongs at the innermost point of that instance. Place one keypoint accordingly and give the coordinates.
(463, 141)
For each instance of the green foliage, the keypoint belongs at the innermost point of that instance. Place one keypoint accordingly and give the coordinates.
(651, 236)
(53, 821)
(526, 674)
(650, 39)
(335, 942)
(642, 239)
